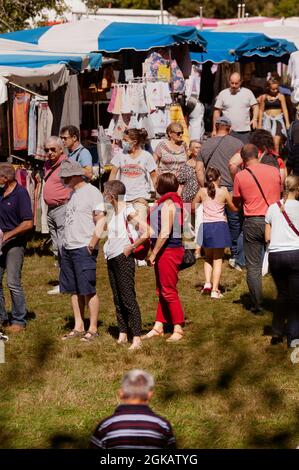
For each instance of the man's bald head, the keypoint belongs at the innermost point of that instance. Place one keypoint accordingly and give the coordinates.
(235, 82)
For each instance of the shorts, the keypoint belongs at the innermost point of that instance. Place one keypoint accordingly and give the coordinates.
(78, 271)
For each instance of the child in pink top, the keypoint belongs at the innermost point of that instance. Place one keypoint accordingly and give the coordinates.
(216, 234)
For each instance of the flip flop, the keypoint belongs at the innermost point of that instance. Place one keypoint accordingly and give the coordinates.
(89, 336)
(73, 334)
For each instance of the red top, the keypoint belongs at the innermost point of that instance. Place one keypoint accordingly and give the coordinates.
(246, 188)
(55, 193)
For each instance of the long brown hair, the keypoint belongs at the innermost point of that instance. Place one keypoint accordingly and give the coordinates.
(212, 175)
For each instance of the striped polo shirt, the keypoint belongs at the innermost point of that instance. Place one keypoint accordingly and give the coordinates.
(133, 427)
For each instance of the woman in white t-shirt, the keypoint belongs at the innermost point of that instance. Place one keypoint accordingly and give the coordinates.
(135, 167)
(282, 233)
(118, 251)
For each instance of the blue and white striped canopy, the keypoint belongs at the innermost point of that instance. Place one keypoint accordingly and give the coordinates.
(107, 36)
(22, 54)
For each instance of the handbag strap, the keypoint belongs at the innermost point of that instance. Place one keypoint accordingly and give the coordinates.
(258, 185)
(213, 151)
(127, 228)
(290, 223)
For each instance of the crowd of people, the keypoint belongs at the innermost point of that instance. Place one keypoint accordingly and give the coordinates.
(239, 194)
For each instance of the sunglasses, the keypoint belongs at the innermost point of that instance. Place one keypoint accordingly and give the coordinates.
(178, 133)
(50, 149)
(65, 137)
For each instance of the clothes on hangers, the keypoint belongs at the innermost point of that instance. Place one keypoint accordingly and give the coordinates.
(151, 68)
(32, 127)
(44, 128)
(20, 120)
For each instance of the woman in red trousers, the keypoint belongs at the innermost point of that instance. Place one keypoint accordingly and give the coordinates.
(166, 220)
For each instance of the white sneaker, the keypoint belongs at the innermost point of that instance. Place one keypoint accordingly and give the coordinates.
(233, 264)
(216, 295)
(294, 343)
(54, 291)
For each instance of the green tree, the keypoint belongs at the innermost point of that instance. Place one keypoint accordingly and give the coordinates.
(15, 13)
(287, 8)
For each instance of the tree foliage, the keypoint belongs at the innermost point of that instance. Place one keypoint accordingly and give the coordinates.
(15, 13)
(215, 8)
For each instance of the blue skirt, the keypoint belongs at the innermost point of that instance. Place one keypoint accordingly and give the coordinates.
(216, 235)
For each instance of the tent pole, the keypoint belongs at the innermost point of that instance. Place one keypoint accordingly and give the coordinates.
(9, 159)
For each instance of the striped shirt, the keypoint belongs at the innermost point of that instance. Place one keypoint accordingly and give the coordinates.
(133, 427)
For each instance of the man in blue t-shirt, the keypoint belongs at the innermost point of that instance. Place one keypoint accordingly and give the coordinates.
(15, 220)
(70, 136)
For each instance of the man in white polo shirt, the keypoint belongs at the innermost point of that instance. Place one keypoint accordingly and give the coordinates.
(235, 103)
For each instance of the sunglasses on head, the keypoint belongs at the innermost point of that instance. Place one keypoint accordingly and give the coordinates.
(178, 133)
(50, 149)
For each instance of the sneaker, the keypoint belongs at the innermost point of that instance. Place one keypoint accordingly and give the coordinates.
(232, 263)
(215, 294)
(3, 337)
(54, 291)
(294, 343)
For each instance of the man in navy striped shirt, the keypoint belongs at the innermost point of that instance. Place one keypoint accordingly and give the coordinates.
(134, 425)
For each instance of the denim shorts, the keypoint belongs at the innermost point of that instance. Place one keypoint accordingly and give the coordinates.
(78, 271)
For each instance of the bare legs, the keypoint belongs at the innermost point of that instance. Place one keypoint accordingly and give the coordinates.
(78, 304)
(213, 267)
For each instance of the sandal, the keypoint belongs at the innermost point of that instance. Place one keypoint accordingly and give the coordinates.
(89, 336)
(73, 334)
(149, 335)
(172, 339)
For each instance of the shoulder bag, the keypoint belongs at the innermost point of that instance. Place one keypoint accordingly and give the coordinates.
(258, 185)
(213, 152)
(142, 250)
(290, 223)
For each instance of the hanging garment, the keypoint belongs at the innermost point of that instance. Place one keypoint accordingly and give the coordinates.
(146, 123)
(196, 122)
(134, 122)
(44, 211)
(71, 111)
(159, 121)
(176, 115)
(118, 100)
(30, 186)
(155, 95)
(193, 82)
(125, 105)
(111, 128)
(32, 128)
(134, 97)
(119, 129)
(44, 128)
(20, 111)
(104, 148)
(112, 100)
(152, 66)
(142, 106)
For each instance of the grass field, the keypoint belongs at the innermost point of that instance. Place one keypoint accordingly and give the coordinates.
(223, 386)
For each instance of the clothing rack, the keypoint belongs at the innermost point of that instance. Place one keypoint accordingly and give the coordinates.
(41, 98)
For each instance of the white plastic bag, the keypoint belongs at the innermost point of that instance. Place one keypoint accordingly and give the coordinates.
(104, 147)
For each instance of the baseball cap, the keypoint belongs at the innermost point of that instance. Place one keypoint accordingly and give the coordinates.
(71, 168)
(224, 120)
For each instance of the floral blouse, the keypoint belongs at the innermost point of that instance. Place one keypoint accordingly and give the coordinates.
(187, 177)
